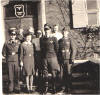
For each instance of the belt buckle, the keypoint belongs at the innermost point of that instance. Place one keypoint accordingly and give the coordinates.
(13, 53)
(67, 50)
(29, 54)
(63, 50)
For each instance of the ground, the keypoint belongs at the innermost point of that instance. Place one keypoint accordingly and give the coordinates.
(85, 80)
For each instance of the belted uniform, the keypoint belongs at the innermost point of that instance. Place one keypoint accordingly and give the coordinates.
(11, 53)
(49, 49)
(66, 54)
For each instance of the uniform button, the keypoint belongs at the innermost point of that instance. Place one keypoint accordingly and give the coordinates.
(63, 50)
(67, 50)
(13, 53)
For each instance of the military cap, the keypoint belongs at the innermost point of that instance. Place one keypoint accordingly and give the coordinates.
(12, 31)
(47, 27)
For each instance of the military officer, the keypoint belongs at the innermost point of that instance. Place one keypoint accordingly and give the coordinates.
(49, 47)
(67, 54)
(11, 54)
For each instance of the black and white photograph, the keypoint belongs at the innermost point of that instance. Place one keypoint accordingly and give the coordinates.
(50, 47)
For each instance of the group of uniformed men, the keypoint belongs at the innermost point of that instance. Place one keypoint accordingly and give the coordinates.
(52, 51)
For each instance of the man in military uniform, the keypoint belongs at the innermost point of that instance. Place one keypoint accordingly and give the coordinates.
(66, 56)
(49, 48)
(11, 54)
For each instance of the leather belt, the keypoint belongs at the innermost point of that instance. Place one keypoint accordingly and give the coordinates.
(67, 50)
(28, 55)
(13, 53)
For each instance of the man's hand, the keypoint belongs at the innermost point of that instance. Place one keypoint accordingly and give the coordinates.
(72, 60)
(21, 64)
(3, 57)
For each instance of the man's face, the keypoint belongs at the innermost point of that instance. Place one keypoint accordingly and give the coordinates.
(13, 37)
(55, 28)
(48, 32)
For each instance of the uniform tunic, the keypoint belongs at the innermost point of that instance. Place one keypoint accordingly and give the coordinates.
(65, 56)
(65, 48)
(49, 48)
(27, 56)
(11, 53)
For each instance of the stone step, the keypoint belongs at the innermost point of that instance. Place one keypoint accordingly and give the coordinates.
(85, 85)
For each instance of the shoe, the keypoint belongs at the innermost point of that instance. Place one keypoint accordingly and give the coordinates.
(45, 90)
(63, 88)
(67, 90)
(54, 89)
(10, 92)
(27, 91)
(31, 91)
(17, 91)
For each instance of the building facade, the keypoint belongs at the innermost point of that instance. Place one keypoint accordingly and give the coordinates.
(34, 14)
(76, 15)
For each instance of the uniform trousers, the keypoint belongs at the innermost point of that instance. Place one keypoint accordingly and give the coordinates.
(13, 68)
(66, 73)
(51, 65)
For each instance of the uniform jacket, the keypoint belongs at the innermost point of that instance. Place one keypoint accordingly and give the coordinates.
(49, 46)
(66, 49)
(11, 51)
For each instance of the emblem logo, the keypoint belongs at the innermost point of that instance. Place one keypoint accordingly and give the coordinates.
(19, 10)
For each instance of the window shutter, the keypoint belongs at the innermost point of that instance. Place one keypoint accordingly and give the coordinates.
(79, 12)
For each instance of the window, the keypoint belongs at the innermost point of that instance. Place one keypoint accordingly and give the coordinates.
(92, 18)
(92, 12)
(85, 12)
(91, 4)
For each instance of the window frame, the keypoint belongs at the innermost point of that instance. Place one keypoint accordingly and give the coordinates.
(94, 11)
